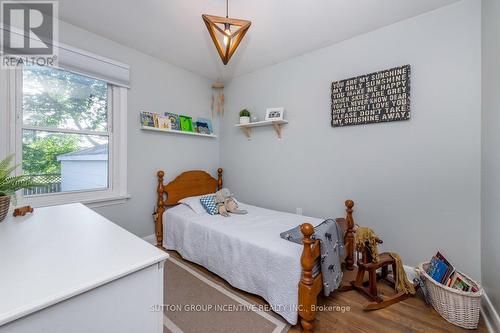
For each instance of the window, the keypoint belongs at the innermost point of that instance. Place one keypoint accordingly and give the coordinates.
(68, 132)
(65, 130)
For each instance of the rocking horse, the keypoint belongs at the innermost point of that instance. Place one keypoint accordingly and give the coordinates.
(370, 262)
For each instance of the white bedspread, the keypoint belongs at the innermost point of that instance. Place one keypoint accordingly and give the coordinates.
(245, 250)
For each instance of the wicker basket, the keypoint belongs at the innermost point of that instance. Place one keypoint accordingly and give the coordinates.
(4, 206)
(460, 308)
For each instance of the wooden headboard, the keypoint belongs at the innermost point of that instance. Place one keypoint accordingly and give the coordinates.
(187, 184)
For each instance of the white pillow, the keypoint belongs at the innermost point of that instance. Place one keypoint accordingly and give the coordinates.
(195, 204)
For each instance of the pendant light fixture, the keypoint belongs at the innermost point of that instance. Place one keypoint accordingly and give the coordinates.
(226, 33)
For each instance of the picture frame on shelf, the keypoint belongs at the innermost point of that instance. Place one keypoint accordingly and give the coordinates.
(275, 113)
(186, 123)
(174, 121)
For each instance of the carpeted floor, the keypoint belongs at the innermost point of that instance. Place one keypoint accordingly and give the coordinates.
(195, 303)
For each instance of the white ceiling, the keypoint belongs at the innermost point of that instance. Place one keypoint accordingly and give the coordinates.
(173, 30)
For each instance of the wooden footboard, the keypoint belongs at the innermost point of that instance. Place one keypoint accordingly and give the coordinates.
(309, 286)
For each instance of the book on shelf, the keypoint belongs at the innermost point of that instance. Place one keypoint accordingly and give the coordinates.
(147, 118)
(205, 124)
(162, 121)
(174, 121)
(186, 123)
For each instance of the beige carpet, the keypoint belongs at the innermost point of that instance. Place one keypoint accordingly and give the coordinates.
(194, 303)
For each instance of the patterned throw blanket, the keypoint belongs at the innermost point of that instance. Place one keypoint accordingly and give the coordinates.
(332, 249)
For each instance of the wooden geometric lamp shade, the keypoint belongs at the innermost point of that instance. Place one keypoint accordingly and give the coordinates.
(225, 40)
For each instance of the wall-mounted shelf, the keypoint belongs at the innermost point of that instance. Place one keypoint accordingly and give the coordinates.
(247, 128)
(149, 128)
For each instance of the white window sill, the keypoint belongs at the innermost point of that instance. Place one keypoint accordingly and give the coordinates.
(109, 201)
(90, 199)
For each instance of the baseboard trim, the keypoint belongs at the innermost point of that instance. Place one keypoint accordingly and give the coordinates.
(151, 239)
(490, 315)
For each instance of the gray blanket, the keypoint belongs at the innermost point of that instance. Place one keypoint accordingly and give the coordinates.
(332, 249)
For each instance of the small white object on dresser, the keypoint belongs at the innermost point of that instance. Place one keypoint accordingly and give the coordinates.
(68, 269)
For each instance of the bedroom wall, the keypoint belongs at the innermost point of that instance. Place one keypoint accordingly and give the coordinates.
(158, 87)
(490, 229)
(416, 182)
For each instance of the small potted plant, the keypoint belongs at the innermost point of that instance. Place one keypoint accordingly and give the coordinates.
(9, 185)
(244, 116)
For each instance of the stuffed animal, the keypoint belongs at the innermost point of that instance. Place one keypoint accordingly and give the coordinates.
(226, 203)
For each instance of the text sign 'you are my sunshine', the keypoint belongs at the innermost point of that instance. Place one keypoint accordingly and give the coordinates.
(373, 98)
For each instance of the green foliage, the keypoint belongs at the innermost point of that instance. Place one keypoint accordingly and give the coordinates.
(244, 113)
(9, 185)
(40, 153)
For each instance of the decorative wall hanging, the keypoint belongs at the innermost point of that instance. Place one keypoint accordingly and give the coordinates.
(373, 98)
(217, 98)
(225, 40)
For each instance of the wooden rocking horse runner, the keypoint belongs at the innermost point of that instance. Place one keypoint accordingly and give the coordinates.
(366, 244)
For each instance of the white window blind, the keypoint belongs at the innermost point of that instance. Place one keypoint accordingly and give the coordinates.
(97, 67)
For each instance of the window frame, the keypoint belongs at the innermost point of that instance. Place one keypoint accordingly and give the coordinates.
(116, 192)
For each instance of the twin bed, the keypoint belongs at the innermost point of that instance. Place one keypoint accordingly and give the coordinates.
(246, 250)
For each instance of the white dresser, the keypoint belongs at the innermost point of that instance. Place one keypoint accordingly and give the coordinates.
(66, 269)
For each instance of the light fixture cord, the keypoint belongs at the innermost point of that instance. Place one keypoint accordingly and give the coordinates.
(227, 8)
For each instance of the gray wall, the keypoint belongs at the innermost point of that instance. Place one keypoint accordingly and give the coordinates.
(158, 87)
(417, 182)
(490, 229)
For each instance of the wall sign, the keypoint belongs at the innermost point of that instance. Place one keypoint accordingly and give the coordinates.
(373, 98)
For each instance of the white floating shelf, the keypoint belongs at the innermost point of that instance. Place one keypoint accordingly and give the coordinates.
(247, 128)
(149, 128)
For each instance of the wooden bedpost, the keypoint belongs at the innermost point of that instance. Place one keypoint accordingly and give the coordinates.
(349, 236)
(219, 178)
(160, 209)
(309, 287)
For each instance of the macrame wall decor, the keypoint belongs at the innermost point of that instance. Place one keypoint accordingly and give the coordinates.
(218, 98)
